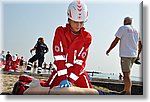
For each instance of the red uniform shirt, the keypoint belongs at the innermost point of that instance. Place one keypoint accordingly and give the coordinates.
(70, 52)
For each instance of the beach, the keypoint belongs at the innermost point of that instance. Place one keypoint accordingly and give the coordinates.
(8, 80)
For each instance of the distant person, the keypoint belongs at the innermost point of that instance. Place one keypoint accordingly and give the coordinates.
(120, 76)
(8, 62)
(14, 63)
(25, 64)
(21, 62)
(8, 55)
(129, 50)
(70, 49)
(45, 67)
(40, 49)
(17, 60)
(50, 67)
(92, 73)
(2, 58)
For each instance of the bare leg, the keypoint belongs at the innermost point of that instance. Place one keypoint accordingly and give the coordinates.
(127, 83)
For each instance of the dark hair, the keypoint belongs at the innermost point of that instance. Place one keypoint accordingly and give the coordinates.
(127, 21)
(41, 39)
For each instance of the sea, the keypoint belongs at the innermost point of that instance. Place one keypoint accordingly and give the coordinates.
(103, 76)
(114, 76)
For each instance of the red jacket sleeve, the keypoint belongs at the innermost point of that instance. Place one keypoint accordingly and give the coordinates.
(59, 55)
(79, 63)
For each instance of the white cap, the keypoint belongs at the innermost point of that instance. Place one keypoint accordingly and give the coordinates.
(14, 57)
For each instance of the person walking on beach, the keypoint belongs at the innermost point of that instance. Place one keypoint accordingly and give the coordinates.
(70, 49)
(50, 67)
(44, 67)
(129, 50)
(40, 50)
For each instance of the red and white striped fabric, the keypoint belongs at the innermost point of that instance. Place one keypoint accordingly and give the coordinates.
(70, 56)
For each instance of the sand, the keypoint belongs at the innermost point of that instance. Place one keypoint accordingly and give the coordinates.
(8, 81)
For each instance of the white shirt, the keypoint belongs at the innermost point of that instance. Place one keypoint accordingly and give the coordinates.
(129, 38)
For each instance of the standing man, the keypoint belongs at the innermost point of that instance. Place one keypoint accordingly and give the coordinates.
(8, 62)
(50, 67)
(21, 64)
(70, 49)
(129, 50)
(7, 56)
(40, 49)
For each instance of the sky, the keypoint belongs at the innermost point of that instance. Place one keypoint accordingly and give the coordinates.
(23, 22)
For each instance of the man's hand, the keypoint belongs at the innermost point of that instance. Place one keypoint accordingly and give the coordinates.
(137, 61)
(107, 52)
(65, 83)
(32, 50)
